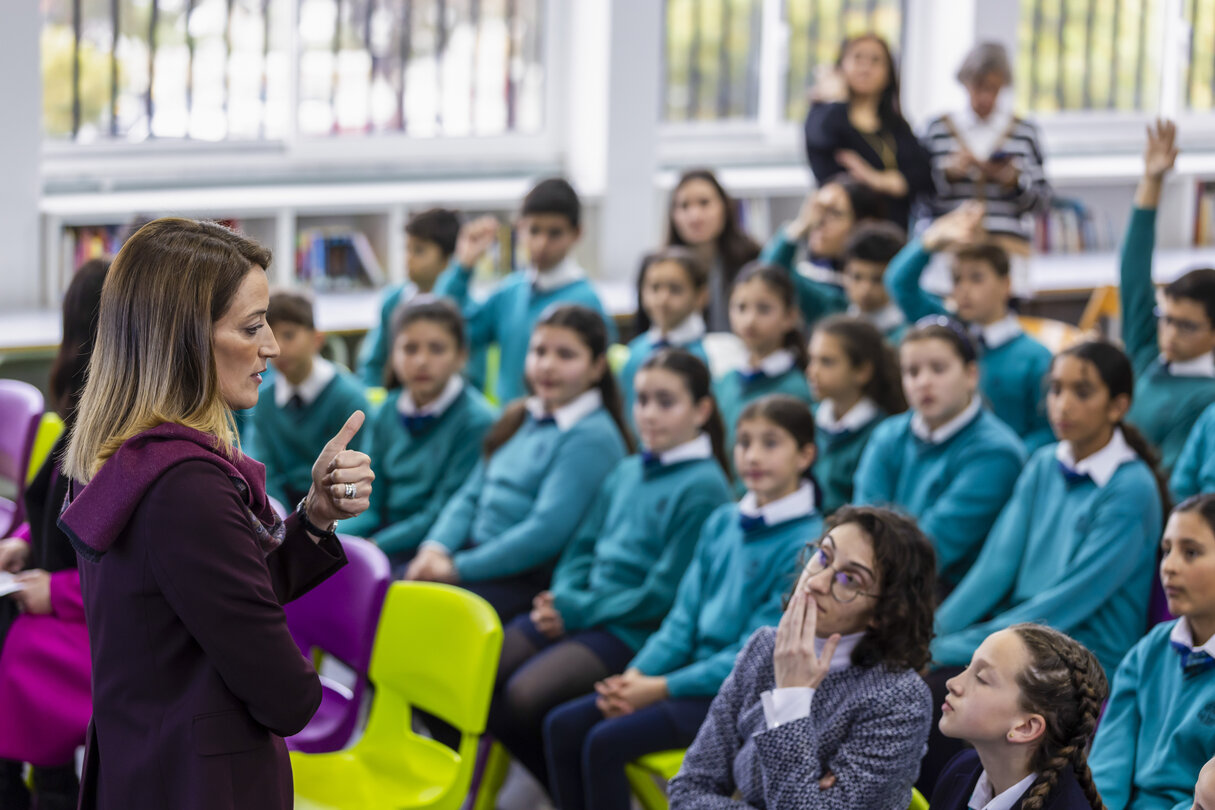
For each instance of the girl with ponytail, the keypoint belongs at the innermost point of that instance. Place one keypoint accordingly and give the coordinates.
(617, 579)
(1029, 704)
(1076, 544)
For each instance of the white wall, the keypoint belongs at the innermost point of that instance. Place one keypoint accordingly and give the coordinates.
(20, 146)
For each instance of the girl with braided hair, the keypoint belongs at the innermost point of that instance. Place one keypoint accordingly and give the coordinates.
(1029, 704)
(1159, 728)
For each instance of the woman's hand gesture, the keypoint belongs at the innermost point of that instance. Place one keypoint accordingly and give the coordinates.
(341, 478)
(794, 659)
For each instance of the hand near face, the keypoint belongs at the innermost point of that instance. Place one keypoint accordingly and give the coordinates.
(794, 659)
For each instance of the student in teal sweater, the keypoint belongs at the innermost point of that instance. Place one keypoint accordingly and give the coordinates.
(617, 579)
(1075, 546)
(673, 290)
(427, 434)
(1194, 471)
(948, 462)
(550, 223)
(430, 242)
(1172, 350)
(1159, 727)
(763, 313)
(545, 459)
(304, 405)
(1012, 365)
(867, 251)
(745, 562)
(854, 375)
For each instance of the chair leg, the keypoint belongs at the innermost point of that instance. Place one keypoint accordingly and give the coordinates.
(647, 792)
(493, 775)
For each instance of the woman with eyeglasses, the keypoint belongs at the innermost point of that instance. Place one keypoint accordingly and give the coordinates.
(827, 709)
(948, 461)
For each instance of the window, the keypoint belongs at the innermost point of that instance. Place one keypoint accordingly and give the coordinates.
(217, 70)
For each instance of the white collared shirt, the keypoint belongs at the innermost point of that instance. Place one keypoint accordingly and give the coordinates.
(946, 431)
(572, 412)
(567, 272)
(981, 135)
(791, 703)
(887, 318)
(774, 365)
(1181, 634)
(996, 334)
(322, 372)
(794, 505)
(859, 415)
(690, 330)
(982, 798)
(694, 450)
(1201, 366)
(449, 394)
(1102, 465)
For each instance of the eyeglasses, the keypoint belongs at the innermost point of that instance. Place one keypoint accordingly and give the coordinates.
(845, 587)
(1180, 324)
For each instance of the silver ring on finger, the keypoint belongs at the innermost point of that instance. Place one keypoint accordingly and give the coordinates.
(352, 491)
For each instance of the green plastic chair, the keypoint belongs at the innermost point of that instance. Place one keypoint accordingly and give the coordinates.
(436, 648)
(664, 765)
(49, 431)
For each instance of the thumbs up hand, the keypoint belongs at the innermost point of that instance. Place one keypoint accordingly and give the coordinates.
(341, 478)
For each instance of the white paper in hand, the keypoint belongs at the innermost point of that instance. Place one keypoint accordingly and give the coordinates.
(8, 584)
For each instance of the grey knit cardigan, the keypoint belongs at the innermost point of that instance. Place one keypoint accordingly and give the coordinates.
(867, 726)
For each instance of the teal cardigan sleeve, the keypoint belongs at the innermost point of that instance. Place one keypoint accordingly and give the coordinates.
(652, 599)
(573, 572)
(1102, 565)
(1187, 478)
(373, 353)
(816, 299)
(454, 526)
(1114, 749)
(1137, 294)
(579, 468)
(903, 282)
(480, 318)
(671, 647)
(877, 472)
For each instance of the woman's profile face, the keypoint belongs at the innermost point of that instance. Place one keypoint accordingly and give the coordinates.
(243, 343)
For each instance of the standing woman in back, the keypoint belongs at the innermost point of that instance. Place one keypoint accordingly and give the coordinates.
(855, 125)
(183, 563)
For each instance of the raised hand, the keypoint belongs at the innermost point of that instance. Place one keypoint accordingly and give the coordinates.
(794, 659)
(474, 239)
(1160, 151)
(961, 226)
(341, 478)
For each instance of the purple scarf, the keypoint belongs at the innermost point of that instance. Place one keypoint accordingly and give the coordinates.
(95, 516)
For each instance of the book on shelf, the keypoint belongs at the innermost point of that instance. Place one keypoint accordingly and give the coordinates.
(1070, 227)
(337, 259)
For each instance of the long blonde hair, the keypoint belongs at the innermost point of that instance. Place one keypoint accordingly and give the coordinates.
(153, 360)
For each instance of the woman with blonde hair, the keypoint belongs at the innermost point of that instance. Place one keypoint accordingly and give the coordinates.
(183, 564)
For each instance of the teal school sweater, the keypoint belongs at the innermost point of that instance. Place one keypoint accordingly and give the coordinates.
(839, 454)
(816, 299)
(622, 569)
(1194, 471)
(1158, 729)
(1012, 376)
(955, 489)
(1166, 405)
(508, 315)
(289, 442)
(374, 350)
(640, 348)
(735, 391)
(735, 584)
(517, 512)
(416, 474)
(1076, 556)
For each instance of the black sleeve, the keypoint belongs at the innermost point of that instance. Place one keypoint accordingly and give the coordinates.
(826, 129)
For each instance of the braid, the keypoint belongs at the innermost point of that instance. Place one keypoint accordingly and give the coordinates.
(1064, 683)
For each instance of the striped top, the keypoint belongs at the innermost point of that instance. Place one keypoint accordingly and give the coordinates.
(1008, 209)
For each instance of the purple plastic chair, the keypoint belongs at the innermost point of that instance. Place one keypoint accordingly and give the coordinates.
(339, 617)
(1158, 607)
(20, 411)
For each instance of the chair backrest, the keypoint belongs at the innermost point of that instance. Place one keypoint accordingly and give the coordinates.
(437, 648)
(21, 407)
(340, 615)
(50, 428)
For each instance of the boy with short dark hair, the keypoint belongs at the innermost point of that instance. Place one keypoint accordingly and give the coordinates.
(304, 404)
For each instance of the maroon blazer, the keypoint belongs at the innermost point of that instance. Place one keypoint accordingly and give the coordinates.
(196, 678)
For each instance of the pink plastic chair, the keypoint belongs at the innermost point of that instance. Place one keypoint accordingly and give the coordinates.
(21, 408)
(339, 617)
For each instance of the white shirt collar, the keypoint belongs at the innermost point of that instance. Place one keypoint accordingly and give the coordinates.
(946, 431)
(996, 334)
(449, 394)
(690, 330)
(887, 318)
(698, 448)
(794, 505)
(842, 657)
(322, 372)
(1102, 465)
(774, 365)
(981, 135)
(1201, 366)
(982, 798)
(859, 415)
(572, 412)
(1181, 634)
(567, 272)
